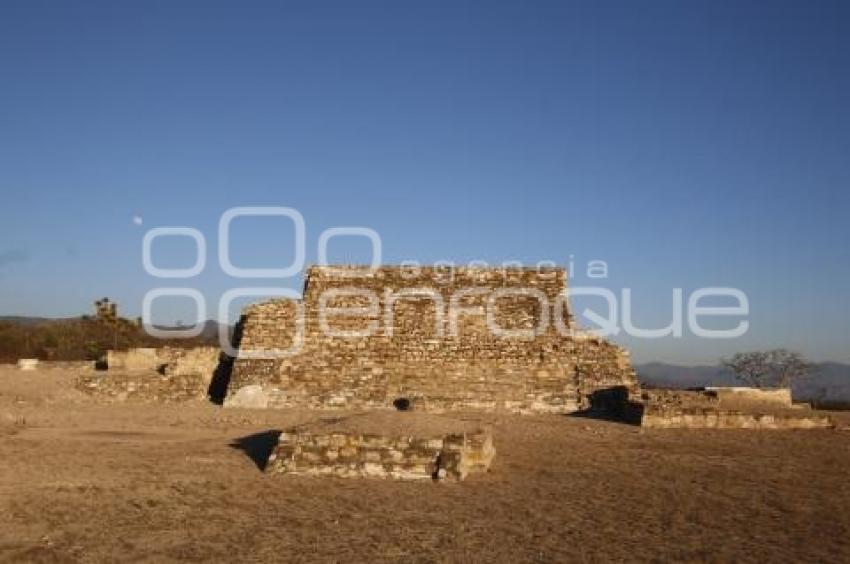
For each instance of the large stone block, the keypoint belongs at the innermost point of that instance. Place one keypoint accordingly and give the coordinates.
(403, 450)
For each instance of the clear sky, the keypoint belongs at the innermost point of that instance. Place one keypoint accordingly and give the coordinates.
(687, 144)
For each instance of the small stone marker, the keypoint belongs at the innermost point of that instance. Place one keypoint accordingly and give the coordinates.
(27, 363)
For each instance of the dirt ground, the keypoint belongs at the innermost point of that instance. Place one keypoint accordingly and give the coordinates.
(92, 482)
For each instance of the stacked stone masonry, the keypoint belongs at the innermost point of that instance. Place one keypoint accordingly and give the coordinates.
(356, 455)
(163, 374)
(420, 336)
(727, 408)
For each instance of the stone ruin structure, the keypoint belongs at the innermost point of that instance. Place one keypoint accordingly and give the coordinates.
(375, 446)
(419, 338)
(153, 374)
(423, 339)
(727, 408)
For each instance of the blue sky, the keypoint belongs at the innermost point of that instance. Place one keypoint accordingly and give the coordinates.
(687, 144)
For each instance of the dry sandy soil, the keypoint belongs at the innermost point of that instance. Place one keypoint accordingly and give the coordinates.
(87, 481)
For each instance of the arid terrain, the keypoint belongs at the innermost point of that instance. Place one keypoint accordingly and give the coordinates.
(86, 481)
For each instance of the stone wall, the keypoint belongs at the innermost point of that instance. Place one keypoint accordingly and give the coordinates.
(135, 359)
(200, 361)
(167, 360)
(743, 408)
(727, 396)
(67, 365)
(726, 419)
(418, 352)
(354, 455)
(164, 374)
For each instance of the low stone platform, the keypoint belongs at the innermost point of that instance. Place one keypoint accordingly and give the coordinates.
(144, 386)
(404, 446)
(720, 419)
(727, 409)
(165, 374)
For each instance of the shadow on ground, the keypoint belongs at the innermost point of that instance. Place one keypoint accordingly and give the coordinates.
(612, 404)
(258, 447)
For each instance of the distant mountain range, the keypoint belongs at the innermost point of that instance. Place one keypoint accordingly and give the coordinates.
(830, 381)
(661, 375)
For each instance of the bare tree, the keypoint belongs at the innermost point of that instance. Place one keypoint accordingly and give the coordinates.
(751, 367)
(761, 369)
(789, 365)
